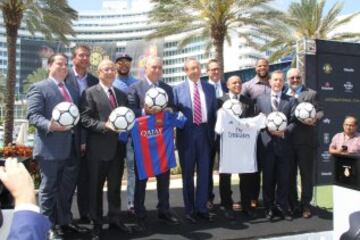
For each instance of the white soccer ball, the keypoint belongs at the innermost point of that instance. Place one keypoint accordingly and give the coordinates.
(305, 110)
(233, 106)
(66, 114)
(156, 98)
(276, 121)
(122, 119)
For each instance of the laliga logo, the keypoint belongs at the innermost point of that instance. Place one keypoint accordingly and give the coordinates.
(327, 68)
(348, 86)
(151, 133)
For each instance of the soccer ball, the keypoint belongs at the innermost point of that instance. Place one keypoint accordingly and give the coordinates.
(305, 110)
(156, 98)
(276, 121)
(66, 114)
(233, 106)
(122, 119)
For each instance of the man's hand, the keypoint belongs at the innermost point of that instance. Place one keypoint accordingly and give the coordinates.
(150, 111)
(18, 181)
(109, 126)
(56, 127)
(168, 109)
(310, 121)
(278, 133)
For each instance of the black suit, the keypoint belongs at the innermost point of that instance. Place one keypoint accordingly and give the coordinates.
(247, 179)
(275, 160)
(105, 154)
(82, 183)
(136, 97)
(305, 143)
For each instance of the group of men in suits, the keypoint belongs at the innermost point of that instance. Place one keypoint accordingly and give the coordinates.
(90, 153)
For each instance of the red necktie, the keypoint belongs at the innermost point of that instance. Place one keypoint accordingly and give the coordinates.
(112, 99)
(197, 119)
(65, 93)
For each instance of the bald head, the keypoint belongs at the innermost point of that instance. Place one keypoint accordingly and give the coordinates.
(153, 69)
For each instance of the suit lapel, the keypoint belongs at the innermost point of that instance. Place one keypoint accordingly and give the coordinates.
(207, 95)
(103, 98)
(187, 94)
(56, 90)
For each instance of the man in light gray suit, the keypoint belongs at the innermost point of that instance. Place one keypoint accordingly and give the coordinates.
(56, 147)
(81, 79)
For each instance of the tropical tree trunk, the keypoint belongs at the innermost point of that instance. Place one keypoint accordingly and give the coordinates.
(11, 32)
(218, 38)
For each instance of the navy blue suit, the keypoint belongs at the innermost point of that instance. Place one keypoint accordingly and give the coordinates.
(29, 225)
(275, 158)
(57, 152)
(136, 97)
(194, 143)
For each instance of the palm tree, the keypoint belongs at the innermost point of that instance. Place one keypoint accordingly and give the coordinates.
(306, 20)
(36, 76)
(53, 18)
(211, 20)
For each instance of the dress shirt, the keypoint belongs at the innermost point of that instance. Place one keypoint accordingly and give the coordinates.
(202, 99)
(27, 207)
(152, 83)
(81, 81)
(123, 83)
(277, 97)
(57, 84)
(340, 139)
(297, 92)
(218, 88)
(234, 96)
(255, 87)
(106, 90)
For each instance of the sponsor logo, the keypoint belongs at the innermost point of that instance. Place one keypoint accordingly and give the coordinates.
(327, 68)
(151, 132)
(326, 138)
(326, 120)
(326, 173)
(327, 87)
(326, 155)
(349, 70)
(348, 87)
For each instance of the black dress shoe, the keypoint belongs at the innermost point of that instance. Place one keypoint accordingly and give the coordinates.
(229, 214)
(54, 235)
(205, 216)
(169, 217)
(96, 232)
(190, 218)
(140, 225)
(250, 213)
(118, 224)
(284, 214)
(84, 220)
(74, 228)
(269, 214)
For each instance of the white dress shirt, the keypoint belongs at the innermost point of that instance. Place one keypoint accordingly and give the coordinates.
(218, 88)
(202, 99)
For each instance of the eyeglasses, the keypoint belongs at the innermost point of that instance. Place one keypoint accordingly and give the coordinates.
(295, 77)
(108, 70)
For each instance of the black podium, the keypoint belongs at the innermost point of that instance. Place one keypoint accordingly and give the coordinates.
(346, 194)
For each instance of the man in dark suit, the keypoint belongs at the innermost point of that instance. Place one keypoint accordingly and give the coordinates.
(246, 179)
(27, 223)
(104, 152)
(213, 71)
(277, 149)
(56, 148)
(136, 95)
(81, 79)
(305, 143)
(197, 101)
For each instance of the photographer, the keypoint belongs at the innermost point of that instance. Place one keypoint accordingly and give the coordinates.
(27, 222)
(346, 143)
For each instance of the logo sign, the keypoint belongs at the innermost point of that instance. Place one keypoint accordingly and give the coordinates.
(326, 155)
(327, 87)
(348, 87)
(326, 138)
(327, 68)
(326, 121)
(349, 70)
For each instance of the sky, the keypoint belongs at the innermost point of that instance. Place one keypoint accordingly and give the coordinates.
(350, 6)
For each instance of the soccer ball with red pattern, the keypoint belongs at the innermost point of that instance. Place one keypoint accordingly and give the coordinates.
(66, 114)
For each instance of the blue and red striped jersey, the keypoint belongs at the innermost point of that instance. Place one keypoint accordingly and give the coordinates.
(153, 138)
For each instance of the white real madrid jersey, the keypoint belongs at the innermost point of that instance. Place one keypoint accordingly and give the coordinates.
(238, 137)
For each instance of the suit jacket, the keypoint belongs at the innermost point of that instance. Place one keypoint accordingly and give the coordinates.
(29, 225)
(102, 144)
(304, 134)
(287, 106)
(182, 100)
(225, 90)
(41, 99)
(247, 105)
(137, 91)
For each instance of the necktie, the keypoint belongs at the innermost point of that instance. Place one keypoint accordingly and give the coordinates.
(292, 93)
(275, 103)
(64, 93)
(112, 98)
(197, 119)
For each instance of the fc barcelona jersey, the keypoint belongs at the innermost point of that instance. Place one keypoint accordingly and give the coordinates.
(153, 138)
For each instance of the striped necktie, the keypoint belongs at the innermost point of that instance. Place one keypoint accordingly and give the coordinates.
(197, 119)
